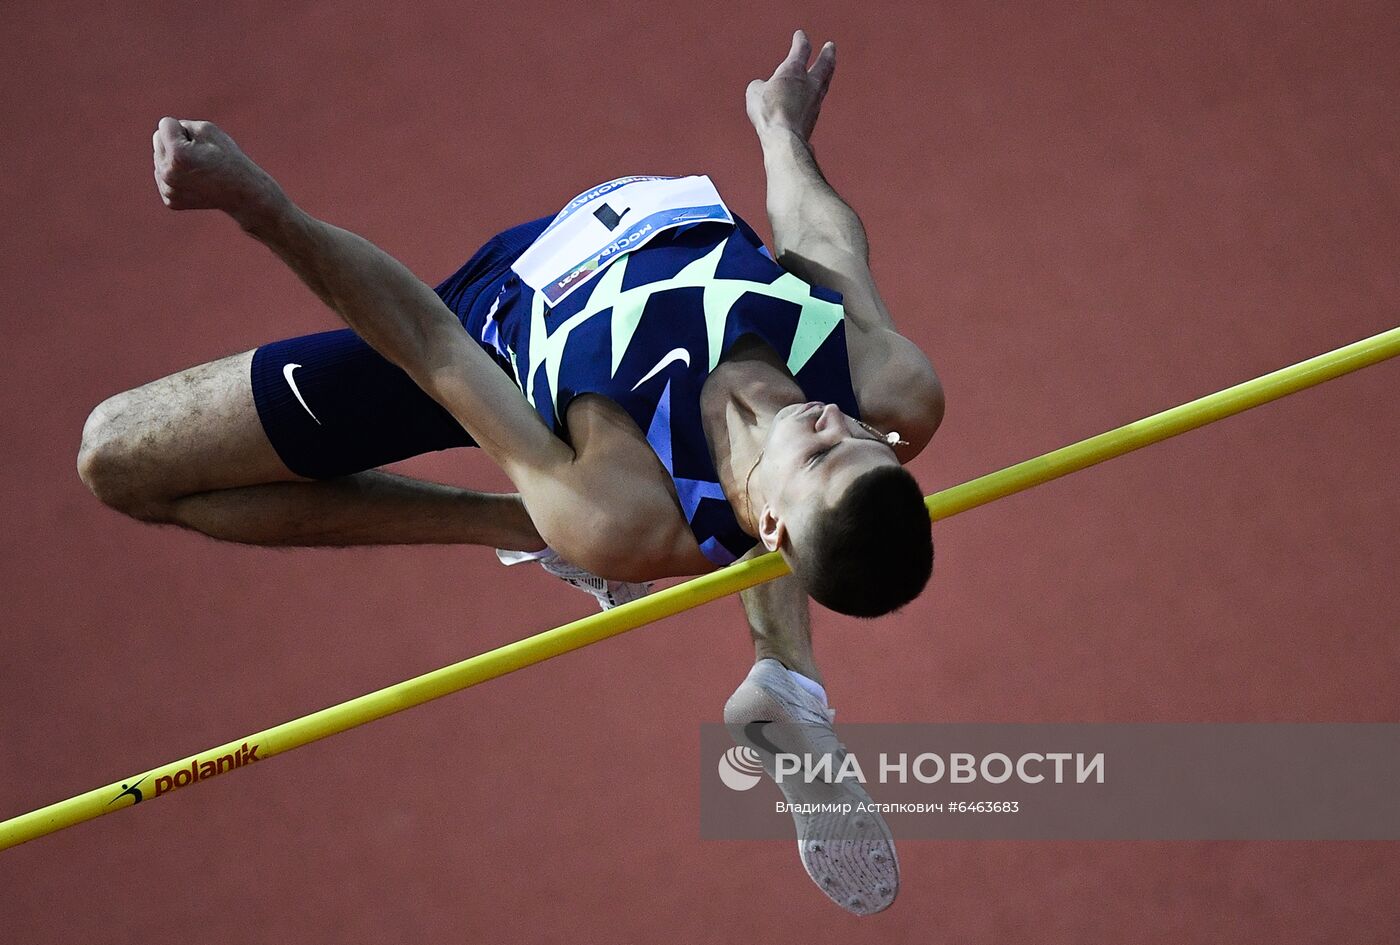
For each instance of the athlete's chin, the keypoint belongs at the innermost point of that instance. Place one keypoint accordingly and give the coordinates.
(795, 410)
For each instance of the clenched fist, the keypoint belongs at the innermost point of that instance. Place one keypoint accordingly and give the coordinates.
(791, 99)
(198, 167)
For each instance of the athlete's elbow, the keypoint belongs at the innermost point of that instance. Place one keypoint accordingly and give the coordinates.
(615, 547)
(932, 403)
(924, 406)
(632, 565)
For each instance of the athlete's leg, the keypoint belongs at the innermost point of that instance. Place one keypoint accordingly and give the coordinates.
(234, 449)
(845, 846)
(781, 626)
(191, 450)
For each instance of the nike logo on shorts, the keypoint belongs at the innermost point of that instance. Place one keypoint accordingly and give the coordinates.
(675, 354)
(292, 383)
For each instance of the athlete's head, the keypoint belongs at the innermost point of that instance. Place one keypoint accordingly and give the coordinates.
(847, 517)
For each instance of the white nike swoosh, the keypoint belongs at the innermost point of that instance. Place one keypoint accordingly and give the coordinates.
(675, 354)
(291, 382)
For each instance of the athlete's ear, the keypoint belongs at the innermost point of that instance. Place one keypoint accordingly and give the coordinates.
(771, 529)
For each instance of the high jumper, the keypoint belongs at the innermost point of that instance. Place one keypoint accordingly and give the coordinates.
(665, 394)
(145, 453)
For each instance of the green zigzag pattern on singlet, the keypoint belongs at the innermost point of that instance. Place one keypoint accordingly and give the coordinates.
(815, 323)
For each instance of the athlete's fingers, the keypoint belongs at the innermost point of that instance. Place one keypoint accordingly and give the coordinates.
(823, 68)
(801, 47)
(166, 194)
(157, 145)
(173, 129)
(797, 56)
(172, 133)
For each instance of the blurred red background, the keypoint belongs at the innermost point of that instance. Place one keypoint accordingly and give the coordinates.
(1085, 215)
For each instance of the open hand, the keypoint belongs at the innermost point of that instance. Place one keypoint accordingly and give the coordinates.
(791, 99)
(199, 167)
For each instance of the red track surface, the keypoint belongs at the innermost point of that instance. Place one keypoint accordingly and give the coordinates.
(1083, 217)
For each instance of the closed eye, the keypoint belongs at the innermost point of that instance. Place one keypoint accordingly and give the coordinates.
(815, 458)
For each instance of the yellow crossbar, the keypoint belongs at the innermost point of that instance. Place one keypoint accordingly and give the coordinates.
(572, 636)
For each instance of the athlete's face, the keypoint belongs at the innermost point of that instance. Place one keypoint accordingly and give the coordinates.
(812, 455)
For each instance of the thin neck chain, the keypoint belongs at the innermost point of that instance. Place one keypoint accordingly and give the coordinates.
(748, 502)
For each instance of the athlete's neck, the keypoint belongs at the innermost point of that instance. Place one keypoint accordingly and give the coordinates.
(737, 405)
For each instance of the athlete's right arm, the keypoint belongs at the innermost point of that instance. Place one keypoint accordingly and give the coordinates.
(819, 238)
(200, 167)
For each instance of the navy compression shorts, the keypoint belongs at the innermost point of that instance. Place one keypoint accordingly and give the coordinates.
(332, 406)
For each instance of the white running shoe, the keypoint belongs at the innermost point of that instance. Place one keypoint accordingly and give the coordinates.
(850, 857)
(609, 594)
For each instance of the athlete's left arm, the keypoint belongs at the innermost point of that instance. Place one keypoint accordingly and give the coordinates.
(199, 167)
(819, 238)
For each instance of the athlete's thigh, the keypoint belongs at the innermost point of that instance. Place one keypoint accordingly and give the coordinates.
(330, 405)
(189, 432)
(313, 407)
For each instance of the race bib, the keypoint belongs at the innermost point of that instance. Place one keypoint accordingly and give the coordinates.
(599, 225)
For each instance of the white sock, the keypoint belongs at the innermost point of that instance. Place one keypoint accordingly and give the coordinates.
(811, 685)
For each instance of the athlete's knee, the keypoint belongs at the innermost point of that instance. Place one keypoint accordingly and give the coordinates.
(110, 460)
